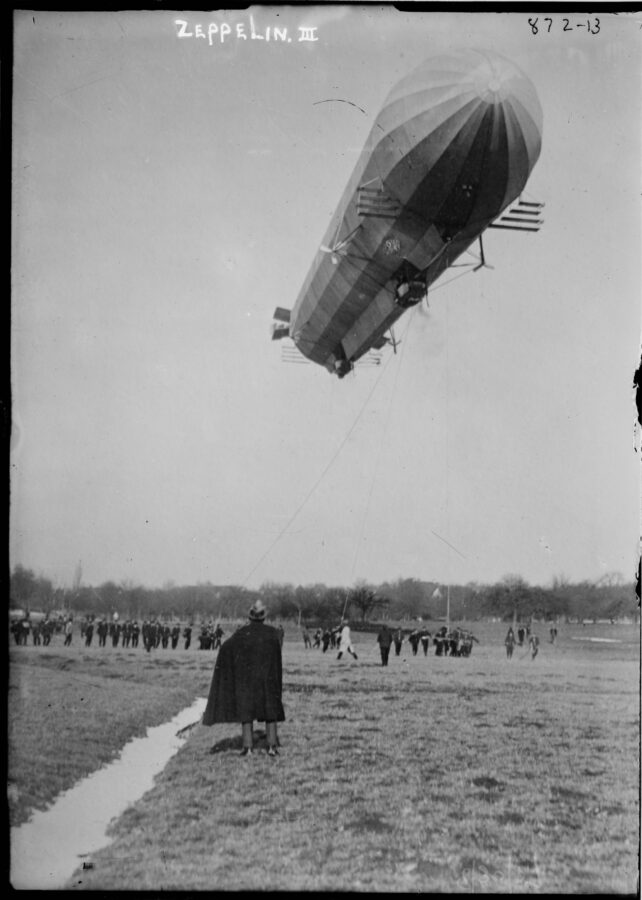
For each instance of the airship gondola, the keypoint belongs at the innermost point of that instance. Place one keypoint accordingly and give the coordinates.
(447, 157)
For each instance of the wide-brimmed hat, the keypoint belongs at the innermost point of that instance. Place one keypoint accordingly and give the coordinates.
(257, 612)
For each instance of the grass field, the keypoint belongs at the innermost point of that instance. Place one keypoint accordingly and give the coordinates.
(434, 774)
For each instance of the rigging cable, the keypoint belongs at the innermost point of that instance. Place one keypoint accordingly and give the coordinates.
(322, 475)
(384, 430)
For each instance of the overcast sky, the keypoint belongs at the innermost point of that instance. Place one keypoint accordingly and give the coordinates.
(168, 193)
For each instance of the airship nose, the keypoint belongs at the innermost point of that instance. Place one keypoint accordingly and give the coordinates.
(494, 78)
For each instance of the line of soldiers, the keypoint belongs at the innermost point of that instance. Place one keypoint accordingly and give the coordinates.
(152, 632)
(130, 633)
(447, 642)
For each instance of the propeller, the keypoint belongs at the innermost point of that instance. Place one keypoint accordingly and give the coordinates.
(333, 251)
(338, 246)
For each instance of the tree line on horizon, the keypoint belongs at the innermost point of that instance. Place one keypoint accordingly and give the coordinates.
(405, 599)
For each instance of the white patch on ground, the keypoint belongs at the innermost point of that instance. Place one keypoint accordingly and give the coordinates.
(47, 849)
(601, 640)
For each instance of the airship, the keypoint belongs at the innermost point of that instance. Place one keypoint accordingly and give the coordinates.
(447, 157)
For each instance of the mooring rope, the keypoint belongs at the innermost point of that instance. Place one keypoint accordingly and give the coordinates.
(327, 467)
(384, 431)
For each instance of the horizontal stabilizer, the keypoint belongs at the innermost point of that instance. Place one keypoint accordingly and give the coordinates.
(522, 216)
(280, 331)
(291, 354)
(370, 359)
(281, 315)
(514, 227)
(519, 221)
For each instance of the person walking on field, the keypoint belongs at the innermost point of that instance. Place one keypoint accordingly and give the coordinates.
(533, 643)
(384, 639)
(509, 641)
(69, 630)
(247, 683)
(413, 640)
(345, 640)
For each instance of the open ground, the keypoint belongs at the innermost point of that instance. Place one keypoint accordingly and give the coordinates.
(433, 774)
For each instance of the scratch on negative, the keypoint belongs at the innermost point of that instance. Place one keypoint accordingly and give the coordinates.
(338, 100)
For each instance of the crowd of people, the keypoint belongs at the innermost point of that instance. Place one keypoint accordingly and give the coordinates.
(41, 631)
(152, 633)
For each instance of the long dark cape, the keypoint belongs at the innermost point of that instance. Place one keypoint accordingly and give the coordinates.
(247, 680)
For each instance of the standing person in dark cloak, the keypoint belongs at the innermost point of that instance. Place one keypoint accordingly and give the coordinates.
(247, 683)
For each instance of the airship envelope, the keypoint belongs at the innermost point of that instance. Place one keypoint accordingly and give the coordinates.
(451, 149)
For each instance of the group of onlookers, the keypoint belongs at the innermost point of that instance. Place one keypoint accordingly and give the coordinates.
(447, 642)
(525, 637)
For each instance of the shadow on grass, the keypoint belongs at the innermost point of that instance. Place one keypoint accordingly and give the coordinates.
(370, 822)
(305, 688)
(234, 744)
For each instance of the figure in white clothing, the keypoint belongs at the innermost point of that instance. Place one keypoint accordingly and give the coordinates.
(345, 641)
